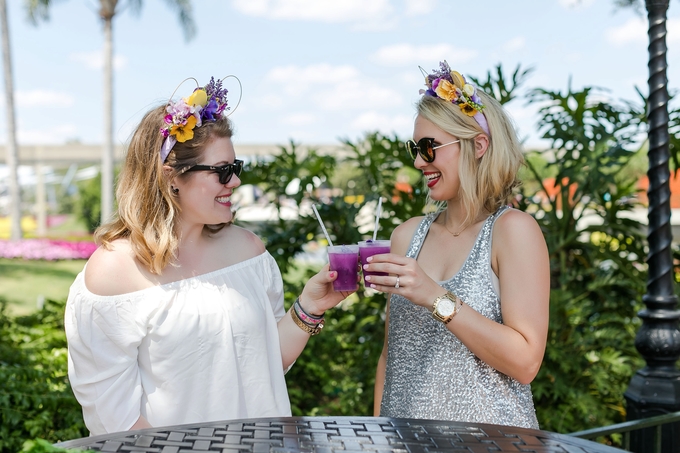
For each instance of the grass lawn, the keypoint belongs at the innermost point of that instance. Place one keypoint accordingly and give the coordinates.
(22, 282)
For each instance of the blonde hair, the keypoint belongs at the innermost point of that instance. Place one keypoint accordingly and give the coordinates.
(486, 183)
(147, 208)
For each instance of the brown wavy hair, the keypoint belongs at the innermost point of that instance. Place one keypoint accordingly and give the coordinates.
(147, 208)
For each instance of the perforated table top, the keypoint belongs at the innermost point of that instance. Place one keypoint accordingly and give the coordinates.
(330, 434)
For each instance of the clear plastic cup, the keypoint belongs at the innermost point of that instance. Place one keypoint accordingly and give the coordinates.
(344, 260)
(370, 248)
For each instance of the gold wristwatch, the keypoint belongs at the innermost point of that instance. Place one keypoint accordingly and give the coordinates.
(445, 307)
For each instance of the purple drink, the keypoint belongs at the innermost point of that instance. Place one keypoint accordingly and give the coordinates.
(344, 260)
(370, 248)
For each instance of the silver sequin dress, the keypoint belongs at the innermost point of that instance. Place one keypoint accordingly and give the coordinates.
(430, 374)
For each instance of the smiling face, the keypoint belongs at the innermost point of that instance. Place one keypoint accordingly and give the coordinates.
(442, 174)
(202, 199)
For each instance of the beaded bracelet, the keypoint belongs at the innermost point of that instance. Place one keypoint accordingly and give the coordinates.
(305, 317)
(312, 330)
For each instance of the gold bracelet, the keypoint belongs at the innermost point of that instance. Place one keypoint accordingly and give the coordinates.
(309, 329)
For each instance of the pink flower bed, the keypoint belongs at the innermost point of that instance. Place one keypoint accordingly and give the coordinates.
(46, 249)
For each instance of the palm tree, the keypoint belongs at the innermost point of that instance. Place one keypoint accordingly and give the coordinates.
(39, 9)
(12, 151)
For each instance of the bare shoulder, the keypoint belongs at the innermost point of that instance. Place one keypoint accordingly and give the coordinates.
(242, 244)
(514, 221)
(402, 235)
(517, 234)
(114, 270)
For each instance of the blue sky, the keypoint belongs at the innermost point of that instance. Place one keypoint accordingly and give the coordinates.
(315, 70)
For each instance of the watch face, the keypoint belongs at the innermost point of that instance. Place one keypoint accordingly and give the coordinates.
(445, 307)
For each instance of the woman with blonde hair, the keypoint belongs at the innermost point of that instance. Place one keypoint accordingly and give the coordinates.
(178, 317)
(467, 315)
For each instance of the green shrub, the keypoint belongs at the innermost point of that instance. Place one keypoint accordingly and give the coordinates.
(88, 206)
(596, 258)
(35, 398)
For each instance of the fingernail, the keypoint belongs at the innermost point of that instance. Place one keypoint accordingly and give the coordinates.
(369, 259)
(365, 266)
(368, 278)
(332, 274)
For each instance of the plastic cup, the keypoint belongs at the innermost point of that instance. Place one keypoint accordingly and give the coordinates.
(370, 248)
(344, 260)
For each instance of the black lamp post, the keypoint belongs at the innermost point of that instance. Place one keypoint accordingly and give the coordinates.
(655, 389)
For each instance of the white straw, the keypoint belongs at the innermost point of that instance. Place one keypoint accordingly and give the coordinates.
(377, 219)
(328, 238)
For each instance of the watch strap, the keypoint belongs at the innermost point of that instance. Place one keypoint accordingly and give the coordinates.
(457, 305)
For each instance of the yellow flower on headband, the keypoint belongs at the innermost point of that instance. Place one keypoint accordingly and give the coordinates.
(446, 90)
(468, 109)
(458, 79)
(184, 132)
(198, 97)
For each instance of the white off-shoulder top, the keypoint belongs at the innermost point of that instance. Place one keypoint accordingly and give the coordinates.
(201, 349)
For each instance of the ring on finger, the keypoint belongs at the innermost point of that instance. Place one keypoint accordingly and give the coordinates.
(396, 285)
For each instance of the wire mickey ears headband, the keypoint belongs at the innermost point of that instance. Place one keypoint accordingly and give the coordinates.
(451, 86)
(205, 104)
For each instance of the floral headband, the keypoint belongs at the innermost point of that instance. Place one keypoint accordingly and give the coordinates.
(451, 86)
(206, 104)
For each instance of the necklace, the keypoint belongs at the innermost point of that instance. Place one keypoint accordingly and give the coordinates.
(457, 233)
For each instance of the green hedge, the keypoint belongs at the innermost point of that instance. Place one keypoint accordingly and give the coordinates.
(35, 398)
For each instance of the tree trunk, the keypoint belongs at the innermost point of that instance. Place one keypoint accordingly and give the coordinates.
(12, 149)
(107, 152)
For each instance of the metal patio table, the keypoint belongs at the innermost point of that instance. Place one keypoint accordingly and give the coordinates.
(330, 434)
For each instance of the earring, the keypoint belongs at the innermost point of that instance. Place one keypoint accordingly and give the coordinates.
(175, 190)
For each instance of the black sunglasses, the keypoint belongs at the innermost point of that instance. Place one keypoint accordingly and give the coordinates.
(425, 147)
(225, 171)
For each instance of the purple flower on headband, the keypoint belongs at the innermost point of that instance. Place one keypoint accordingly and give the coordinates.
(204, 105)
(210, 111)
(215, 91)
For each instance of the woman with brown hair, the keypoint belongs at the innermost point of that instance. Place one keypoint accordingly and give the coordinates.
(178, 317)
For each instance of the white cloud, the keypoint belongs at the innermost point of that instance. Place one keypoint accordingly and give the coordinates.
(297, 80)
(515, 44)
(634, 30)
(673, 27)
(47, 135)
(43, 98)
(419, 7)
(356, 94)
(95, 60)
(575, 4)
(329, 88)
(299, 119)
(371, 121)
(405, 54)
(333, 11)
